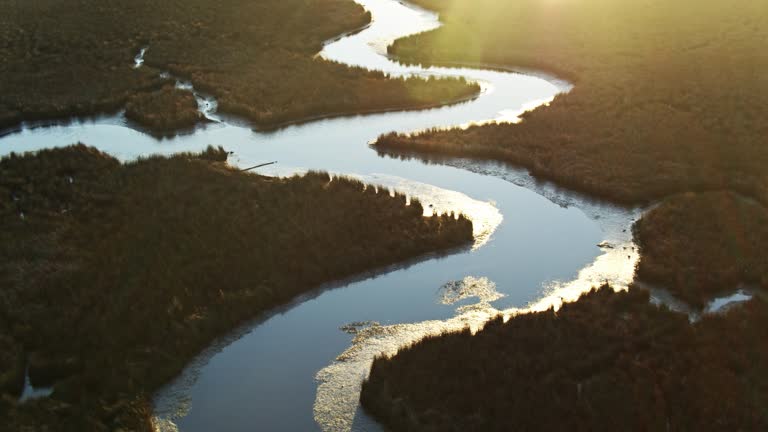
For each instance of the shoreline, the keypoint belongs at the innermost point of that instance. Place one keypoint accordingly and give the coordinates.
(564, 81)
(108, 116)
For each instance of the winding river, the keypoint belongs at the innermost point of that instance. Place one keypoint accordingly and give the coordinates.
(300, 368)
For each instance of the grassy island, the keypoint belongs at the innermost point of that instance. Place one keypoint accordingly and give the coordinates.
(610, 361)
(59, 60)
(115, 275)
(669, 97)
(164, 111)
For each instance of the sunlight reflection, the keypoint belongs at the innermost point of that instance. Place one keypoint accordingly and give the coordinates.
(510, 115)
(616, 267)
(485, 216)
(338, 394)
(481, 288)
(337, 399)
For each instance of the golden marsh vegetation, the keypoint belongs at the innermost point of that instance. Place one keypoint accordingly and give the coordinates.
(669, 96)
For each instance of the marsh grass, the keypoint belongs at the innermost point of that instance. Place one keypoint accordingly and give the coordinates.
(610, 361)
(164, 111)
(699, 246)
(118, 274)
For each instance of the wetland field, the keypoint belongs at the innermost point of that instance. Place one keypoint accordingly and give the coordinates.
(377, 215)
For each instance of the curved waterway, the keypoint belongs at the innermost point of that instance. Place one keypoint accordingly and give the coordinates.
(300, 368)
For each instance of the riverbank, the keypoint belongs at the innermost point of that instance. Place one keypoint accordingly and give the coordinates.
(608, 361)
(118, 274)
(397, 106)
(257, 59)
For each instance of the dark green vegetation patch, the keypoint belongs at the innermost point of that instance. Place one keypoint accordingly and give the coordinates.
(75, 58)
(113, 276)
(700, 246)
(608, 362)
(164, 111)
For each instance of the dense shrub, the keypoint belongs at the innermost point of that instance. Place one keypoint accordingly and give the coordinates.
(113, 276)
(669, 97)
(164, 111)
(702, 245)
(60, 59)
(610, 361)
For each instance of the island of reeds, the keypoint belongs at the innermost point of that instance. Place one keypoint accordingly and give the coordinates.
(164, 111)
(114, 275)
(65, 59)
